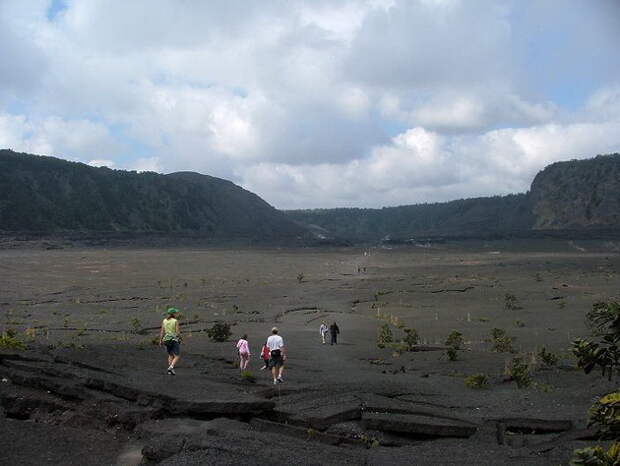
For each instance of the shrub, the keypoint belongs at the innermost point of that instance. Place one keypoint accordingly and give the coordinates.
(511, 302)
(454, 343)
(219, 332)
(604, 320)
(8, 341)
(248, 376)
(548, 358)
(605, 414)
(300, 277)
(502, 343)
(519, 371)
(385, 336)
(477, 381)
(411, 338)
(596, 456)
(136, 325)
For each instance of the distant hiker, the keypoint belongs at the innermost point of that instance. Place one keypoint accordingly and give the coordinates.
(243, 348)
(323, 329)
(266, 355)
(277, 355)
(334, 331)
(170, 336)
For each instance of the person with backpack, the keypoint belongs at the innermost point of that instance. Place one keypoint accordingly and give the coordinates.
(334, 331)
(266, 355)
(170, 336)
(277, 355)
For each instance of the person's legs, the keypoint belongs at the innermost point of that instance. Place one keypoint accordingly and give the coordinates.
(274, 372)
(280, 371)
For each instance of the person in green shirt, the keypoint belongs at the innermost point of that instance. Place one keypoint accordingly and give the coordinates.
(170, 336)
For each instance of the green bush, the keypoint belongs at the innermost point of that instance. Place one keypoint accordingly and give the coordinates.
(519, 371)
(502, 343)
(511, 302)
(477, 381)
(596, 456)
(604, 352)
(411, 338)
(219, 332)
(385, 336)
(11, 342)
(548, 358)
(454, 343)
(248, 376)
(605, 414)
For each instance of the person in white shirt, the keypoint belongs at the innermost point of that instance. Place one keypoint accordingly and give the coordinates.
(323, 329)
(275, 343)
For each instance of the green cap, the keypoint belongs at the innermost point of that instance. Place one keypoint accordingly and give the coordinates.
(172, 310)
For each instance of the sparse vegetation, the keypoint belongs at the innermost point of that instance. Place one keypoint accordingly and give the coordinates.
(502, 343)
(548, 358)
(136, 325)
(511, 302)
(300, 277)
(519, 371)
(597, 456)
(454, 342)
(219, 332)
(604, 352)
(477, 381)
(411, 338)
(385, 336)
(8, 340)
(248, 376)
(605, 414)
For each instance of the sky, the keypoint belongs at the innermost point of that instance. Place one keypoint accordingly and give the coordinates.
(316, 103)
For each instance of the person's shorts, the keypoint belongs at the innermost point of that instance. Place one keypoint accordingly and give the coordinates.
(277, 361)
(173, 347)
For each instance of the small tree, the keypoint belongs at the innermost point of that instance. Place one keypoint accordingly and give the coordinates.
(385, 336)
(219, 332)
(519, 371)
(411, 338)
(454, 342)
(502, 343)
(604, 351)
(511, 302)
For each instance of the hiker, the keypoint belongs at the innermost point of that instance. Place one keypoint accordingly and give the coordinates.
(243, 348)
(277, 355)
(265, 354)
(334, 331)
(323, 330)
(170, 336)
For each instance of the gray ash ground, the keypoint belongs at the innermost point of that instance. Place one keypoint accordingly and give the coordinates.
(92, 387)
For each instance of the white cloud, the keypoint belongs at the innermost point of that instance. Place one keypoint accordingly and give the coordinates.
(423, 166)
(316, 103)
(101, 163)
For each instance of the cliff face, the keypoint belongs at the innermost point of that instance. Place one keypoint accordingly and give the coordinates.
(578, 194)
(48, 194)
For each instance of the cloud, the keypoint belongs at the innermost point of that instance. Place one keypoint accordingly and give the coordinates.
(316, 103)
(424, 166)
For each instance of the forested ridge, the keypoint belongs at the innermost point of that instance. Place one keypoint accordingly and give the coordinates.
(40, 193)
(572, 195)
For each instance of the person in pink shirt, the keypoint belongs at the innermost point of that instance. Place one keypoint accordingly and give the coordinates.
(244, 352)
